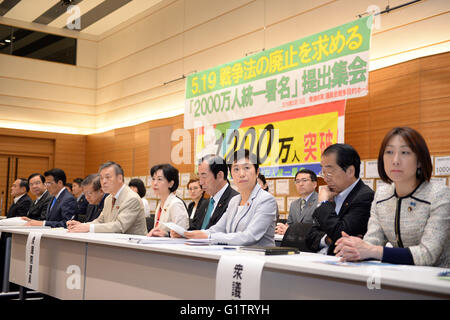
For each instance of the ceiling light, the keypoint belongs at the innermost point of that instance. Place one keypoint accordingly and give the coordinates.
(7, 40)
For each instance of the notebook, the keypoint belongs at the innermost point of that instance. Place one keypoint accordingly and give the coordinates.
(263, 250)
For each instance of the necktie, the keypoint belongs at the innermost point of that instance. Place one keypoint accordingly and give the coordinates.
(53, 202)
(208, 213)
(302, 204)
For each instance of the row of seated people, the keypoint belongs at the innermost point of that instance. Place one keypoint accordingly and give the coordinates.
(405, 222)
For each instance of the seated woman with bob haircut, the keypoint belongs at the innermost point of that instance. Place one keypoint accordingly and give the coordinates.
(171, 208)
(410, 212)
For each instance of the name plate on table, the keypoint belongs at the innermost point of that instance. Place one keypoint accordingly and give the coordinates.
(32, 260)
(238, 278)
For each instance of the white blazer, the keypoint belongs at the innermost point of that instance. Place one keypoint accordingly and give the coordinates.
(174, 210)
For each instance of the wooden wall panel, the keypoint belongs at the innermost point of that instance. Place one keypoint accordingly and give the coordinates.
(394, 91)
(415, 93)
(402, 115)
(435, 83)
(435, 110)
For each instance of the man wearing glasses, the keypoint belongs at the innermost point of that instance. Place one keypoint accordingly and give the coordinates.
(301, 210)
(344, 204)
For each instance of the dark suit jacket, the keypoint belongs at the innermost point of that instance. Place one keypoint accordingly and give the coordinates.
(352, 218)
(63, 210)
(20, 208)
(38, 210)
(94, 210)
(82, 205)
(201, 209)
(218, 212)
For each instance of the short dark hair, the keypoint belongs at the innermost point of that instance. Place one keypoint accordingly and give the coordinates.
(262, 178)
(417, 144)
(346, 156)
(24, 184)
(169, 172)
(264, 181)
(93, 179)
(117, 168)
(35, 175)
(57, 174)
(139, 184)
(243, 154)
(311, 173)
(68, 184)
(78, 181)
(216, 164)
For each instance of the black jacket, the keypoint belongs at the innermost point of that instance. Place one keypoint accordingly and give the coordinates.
(221, 207)
(38, 210)
(20, 208)
(352, 218)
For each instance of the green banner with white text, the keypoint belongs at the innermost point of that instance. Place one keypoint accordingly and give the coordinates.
(325, 67)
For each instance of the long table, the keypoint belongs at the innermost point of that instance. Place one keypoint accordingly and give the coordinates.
(111, 267)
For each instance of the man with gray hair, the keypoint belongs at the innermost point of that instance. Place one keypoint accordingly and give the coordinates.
(123, 211)
(95, 196)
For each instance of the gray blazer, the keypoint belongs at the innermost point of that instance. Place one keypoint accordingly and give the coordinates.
(423, 226)
(305, 215)
(255, 225)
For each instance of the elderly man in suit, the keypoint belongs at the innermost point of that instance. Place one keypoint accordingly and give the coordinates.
(62, 206)
(95, 196)
(344, 204)
(301, 210)
(22, 201)
(213, 173)
(38, 208)
(123, 211)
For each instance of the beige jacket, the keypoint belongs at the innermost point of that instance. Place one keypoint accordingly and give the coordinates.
(174, 210)
(127, 216)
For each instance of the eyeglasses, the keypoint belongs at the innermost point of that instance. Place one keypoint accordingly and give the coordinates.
(327, 172)
(304, 180)
(49, 183)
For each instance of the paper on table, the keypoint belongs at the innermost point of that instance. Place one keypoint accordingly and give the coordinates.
(173, 226)
(197, 242)
(156, 240)
(16, 221)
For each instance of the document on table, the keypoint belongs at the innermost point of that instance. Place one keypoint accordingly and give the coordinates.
(156, 240)
(173, 226)
(16, 221)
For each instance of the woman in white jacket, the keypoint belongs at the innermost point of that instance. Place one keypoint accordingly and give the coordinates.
(171, 208)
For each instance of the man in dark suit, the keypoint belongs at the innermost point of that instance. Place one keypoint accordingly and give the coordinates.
(77, 191)
(63, 205)
(38, 208)
(22, 201)
(344, 204)
(213, 173)
(92, 189)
